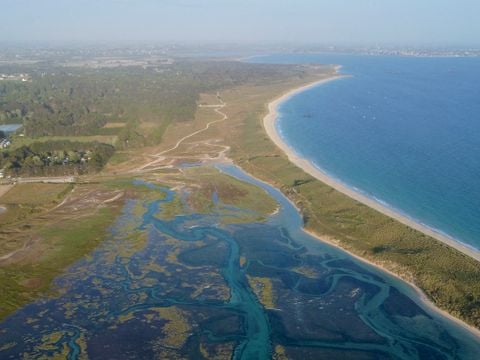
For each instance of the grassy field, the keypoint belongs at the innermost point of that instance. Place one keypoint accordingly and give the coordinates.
(448, 277)
(25, 200)
(46, 228)
(62, 244)
(35, 194)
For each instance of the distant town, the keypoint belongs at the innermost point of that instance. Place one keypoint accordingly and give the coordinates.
(15, 77)
(417, 52)
(98, 57)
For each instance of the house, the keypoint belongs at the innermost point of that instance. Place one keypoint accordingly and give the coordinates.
(5, 143)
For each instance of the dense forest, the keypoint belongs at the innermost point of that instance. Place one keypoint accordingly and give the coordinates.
(67, 101)
(54, 158)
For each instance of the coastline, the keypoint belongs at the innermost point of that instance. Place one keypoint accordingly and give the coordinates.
(423, 297)
(269, 122)
(427, 302)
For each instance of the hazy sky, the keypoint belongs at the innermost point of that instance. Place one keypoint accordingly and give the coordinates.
(449, 22)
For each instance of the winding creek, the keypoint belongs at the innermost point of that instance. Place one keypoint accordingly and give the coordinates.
(195, 286)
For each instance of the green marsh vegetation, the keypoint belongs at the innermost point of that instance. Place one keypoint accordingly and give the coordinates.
(208, 182)
(62, 244)
(52, 237)
(26, 200)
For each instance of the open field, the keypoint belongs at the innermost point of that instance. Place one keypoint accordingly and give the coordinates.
(60, 245)
(47, 233)
(23, 201)
(156, 157)
(4, 189)
(34, 194)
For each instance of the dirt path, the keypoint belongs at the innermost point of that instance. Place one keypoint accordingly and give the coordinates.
(74, 207)
(159, 156)
(25, 246)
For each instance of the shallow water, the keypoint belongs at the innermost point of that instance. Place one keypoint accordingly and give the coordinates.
(402, 130)
(193, 289)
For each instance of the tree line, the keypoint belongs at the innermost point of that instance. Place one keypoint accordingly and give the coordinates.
(55, 158)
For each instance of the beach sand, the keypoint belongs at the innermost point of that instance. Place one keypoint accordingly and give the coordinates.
(308, 167)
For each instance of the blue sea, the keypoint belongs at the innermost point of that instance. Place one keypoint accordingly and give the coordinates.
(402, 130)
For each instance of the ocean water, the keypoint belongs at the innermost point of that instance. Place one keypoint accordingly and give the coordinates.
(405, 131)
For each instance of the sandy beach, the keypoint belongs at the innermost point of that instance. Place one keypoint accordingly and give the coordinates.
(269, 125)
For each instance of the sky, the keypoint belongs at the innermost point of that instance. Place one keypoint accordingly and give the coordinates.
(343, 22)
